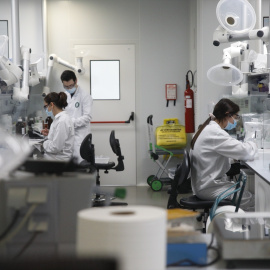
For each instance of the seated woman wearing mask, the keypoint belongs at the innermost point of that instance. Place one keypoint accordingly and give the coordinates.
(59, 145)
(212, 148)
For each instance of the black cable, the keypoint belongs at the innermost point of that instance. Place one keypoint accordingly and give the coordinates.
(188, 262)
(211, 241)
(27, 244)
(12, 223)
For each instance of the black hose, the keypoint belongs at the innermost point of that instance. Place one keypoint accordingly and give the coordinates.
(187, 80)
(12, 223)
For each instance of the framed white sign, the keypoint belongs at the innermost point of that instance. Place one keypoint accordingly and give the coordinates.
(105, 79)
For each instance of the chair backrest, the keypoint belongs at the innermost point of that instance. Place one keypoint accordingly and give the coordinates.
(182, 171)
(87, 149)
(181, 174)
(115, 145)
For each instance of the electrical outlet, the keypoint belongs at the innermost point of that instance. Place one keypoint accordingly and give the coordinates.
(37, 195)
(37, 224)
(16, 197)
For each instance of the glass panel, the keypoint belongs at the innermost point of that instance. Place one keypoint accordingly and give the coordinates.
(4, 31)
(105, 79)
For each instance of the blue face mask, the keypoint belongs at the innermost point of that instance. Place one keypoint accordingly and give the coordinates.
(231, 126)
(72, 90)
(49, 113)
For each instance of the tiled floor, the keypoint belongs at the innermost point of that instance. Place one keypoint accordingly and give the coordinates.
(144, 195)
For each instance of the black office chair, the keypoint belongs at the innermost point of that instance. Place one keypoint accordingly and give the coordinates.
(191, 202)
(181, 175)
(87, 151)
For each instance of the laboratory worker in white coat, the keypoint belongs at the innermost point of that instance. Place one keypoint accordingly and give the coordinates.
(60, 142)
(213, 149)
(79, 109)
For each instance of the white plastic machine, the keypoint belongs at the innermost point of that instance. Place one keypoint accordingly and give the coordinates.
(237, 19)
(38, 206)
(244, 239)
(47, 205)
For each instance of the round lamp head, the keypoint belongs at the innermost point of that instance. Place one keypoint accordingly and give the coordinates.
(236, 16)
(77, 52)
(225, 75)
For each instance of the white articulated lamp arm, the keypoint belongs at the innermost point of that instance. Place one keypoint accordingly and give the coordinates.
(221, 35)
(22, 94)
(9, 72)
(54, 58)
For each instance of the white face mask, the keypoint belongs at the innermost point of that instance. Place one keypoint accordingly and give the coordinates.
(49, 113)
(72, 90)
(230, 125)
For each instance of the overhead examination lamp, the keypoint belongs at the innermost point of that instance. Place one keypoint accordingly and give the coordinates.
(9, 73)
(237, 18)
(226, 74)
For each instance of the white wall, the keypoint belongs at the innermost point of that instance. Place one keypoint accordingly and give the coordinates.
(207, 56)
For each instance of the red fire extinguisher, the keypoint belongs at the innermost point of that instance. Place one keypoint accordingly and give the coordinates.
(189, 105)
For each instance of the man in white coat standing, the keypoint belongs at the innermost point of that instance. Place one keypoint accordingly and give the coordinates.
(79, 109)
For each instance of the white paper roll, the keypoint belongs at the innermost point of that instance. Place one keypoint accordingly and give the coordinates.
(134, 235)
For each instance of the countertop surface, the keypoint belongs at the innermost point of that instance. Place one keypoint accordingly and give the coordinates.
(261, 164)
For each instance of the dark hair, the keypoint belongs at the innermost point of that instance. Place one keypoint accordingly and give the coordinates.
(59, 99)
(68, 75)
(225, 107)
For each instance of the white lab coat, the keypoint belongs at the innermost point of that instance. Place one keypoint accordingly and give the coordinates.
(79, 109)
(60, 143)
(210, 160)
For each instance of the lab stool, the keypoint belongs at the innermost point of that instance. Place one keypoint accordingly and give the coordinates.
(195, 204)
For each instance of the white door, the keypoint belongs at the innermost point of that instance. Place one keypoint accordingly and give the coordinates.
(114, 110)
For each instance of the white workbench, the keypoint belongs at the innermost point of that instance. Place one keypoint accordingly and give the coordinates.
(260, 166)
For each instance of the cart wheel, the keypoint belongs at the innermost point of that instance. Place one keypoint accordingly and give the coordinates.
(156, 185)
(149, 179)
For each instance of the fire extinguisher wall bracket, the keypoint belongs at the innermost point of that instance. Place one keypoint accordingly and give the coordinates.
(189, 105)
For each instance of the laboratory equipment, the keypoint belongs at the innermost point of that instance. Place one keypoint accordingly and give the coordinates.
(266, 133)
(21, 64)
(48, 122)
(13, 152)
(58, 199)
(54, 58)
(20, 127)
(156, 181)
(237, 19)
(6, 123)
(230, 16)
(225, 73)
(9, 73)
(244, 237)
